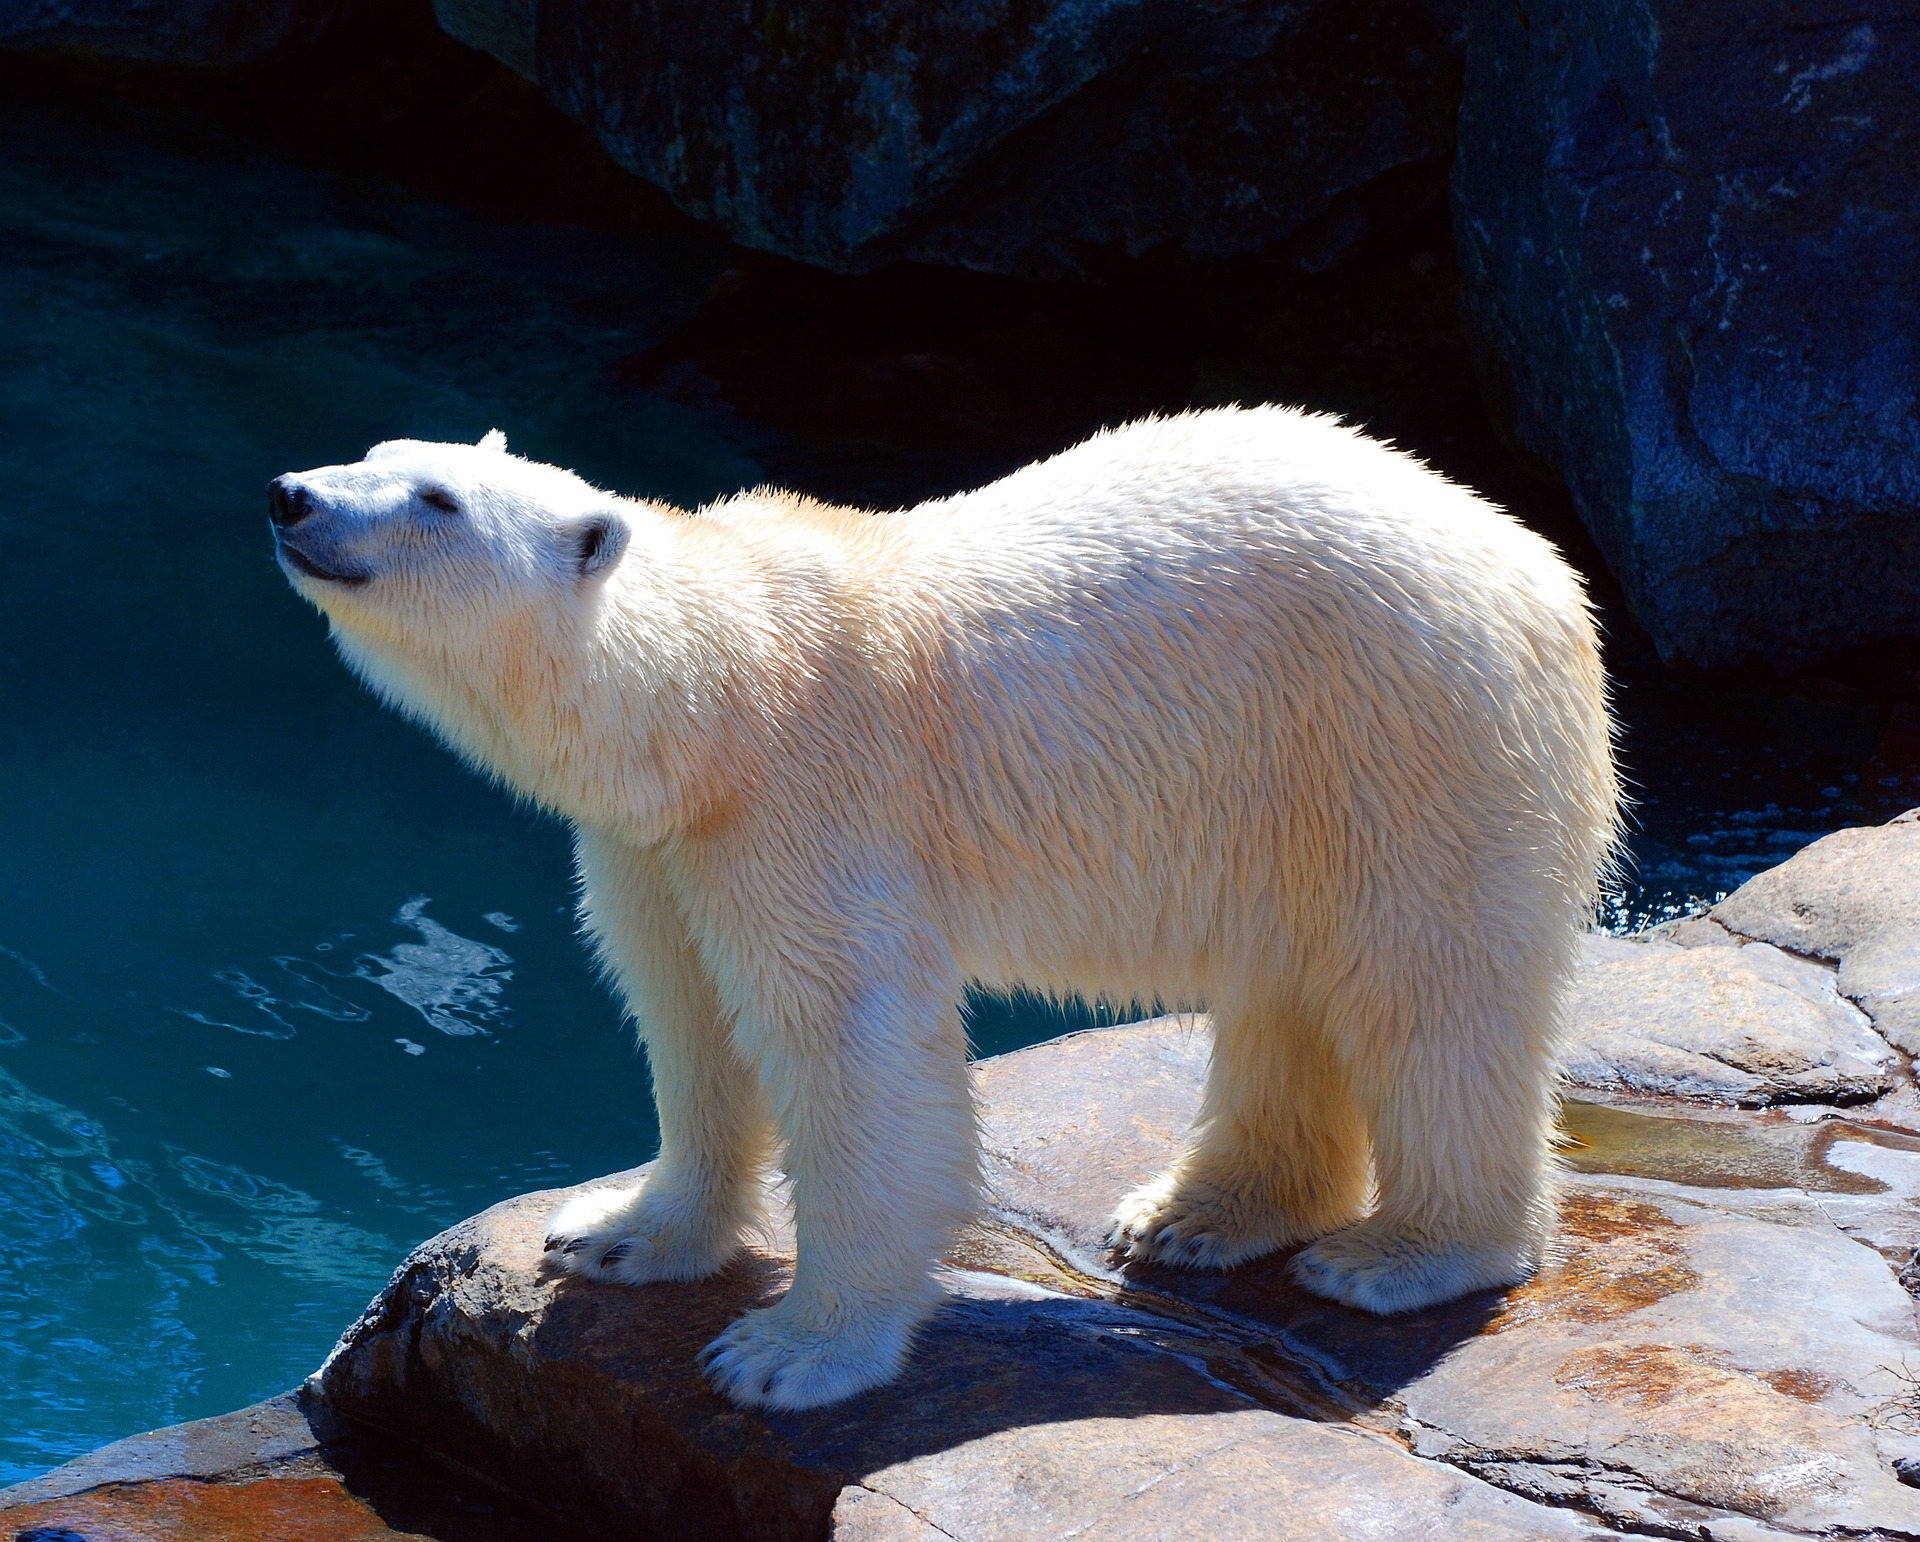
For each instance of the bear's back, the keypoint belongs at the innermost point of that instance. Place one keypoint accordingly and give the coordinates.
(1258, 526)
(1205, 495)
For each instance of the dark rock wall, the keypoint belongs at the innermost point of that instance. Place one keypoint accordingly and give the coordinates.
(1685, 233)
(1687, 239)
(1032, 137)
(195, 32)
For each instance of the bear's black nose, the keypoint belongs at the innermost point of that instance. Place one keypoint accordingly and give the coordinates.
(287, 502)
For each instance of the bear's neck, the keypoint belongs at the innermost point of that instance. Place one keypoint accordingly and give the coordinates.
(619, 717)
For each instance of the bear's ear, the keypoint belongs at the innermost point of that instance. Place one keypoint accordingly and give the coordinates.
(493, 439)
(597, 542)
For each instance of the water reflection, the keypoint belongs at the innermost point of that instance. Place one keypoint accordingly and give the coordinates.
(456, 983)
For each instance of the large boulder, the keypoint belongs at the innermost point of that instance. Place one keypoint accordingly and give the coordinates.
(1686, 239)
(1722, 1020)
(1715, 1351)
(1006, 138)
(1799, 987)
(1852, 898)
(195, 32)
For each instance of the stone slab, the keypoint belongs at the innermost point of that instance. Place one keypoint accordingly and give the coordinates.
(1853, 897)
(1748, 1025)
(1730, 1295)
(1719, 1354)
(311, 1509)
(1029, 1410)
(1836, 894)
(278, 1435)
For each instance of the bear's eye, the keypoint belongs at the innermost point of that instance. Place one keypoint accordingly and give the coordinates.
(439, 498)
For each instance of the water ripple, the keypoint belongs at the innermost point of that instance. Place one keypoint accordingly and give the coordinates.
(456, 983)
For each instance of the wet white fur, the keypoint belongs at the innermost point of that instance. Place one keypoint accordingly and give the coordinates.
(1237, 708)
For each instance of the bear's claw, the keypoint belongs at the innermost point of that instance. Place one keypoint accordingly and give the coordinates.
(638, 1236)
(1181, 1225)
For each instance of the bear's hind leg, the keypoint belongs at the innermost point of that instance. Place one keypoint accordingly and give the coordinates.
(716, 1137)
(1460, 1102)
(1278, 1154)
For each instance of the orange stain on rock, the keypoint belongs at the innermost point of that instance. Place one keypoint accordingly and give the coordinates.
(1723, 1436)
(1808, 1386)
(1619, 1256)
(1639, 1376)
(186, 1510)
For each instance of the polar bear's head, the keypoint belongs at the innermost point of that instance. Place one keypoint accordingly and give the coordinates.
(423, 540)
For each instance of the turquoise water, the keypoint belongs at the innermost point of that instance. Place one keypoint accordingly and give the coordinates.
(282, 989)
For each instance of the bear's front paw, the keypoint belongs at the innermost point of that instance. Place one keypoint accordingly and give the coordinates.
(639, 1235)
(1181, 1223)
(1382, 1267)
(779, 1357)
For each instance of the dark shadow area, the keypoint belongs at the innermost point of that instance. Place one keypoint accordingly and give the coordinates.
(1368, 1358)
(388, 97)
(415, 1494)
(644, 1436)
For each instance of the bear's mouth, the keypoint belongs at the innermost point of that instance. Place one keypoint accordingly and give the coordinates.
(304, 565)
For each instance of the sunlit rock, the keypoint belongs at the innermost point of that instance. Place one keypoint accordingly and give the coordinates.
(1734, 1024)
(1695, 1354)
(1852, 897)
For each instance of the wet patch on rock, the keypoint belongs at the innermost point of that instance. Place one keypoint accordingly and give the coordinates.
(1693, 1147)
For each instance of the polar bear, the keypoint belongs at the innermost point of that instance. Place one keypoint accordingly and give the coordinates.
(1237, 707)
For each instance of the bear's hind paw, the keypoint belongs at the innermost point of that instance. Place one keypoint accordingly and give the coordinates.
(1180, 1224)
(1383, 1269)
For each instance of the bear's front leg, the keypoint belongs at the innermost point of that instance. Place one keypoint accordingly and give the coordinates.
(864, 1061)
(706, 1188)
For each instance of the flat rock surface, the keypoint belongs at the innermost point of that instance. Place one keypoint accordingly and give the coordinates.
(1717, 1349)
(1796, 988)
(1040, 1403)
